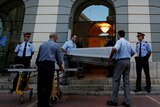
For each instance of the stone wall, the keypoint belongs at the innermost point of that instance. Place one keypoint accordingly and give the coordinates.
(154, 70)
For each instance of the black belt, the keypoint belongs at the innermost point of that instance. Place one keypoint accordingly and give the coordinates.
(123, 59)
(47, 61)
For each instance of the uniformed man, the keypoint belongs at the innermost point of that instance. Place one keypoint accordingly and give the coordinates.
(67, 46)
(48, 55)
(143, 53)
(24, 52)
(122, 52)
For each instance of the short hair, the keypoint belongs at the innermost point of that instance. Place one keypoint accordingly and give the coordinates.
(73, 35)
(121, 33)
(52, 35)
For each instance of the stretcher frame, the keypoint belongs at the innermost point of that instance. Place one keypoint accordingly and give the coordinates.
(56, 93)
(27, 88)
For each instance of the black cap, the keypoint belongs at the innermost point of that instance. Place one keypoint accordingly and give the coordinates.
(140, 33)
(28, 33)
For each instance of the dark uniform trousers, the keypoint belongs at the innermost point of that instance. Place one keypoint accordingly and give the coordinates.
(23, 60)
(26, 62)
(45, 77)
(142, 63)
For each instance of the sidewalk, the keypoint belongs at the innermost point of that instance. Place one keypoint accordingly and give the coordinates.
(10, 100)
(100, 101)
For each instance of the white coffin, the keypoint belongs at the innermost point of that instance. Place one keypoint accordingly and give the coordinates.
(96, 56)
(99, 52)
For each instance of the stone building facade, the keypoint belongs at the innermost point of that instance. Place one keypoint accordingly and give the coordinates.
(41, 17)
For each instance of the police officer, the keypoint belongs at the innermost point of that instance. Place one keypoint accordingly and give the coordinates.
(123, 52)
(143, 51)
(48, 55)
(24, 52)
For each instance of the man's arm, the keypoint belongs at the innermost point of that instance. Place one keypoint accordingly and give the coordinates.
(38, 55)
(149, 54)
(63, 50)
(149, 50)
(58, 59)
(32, 50)
(16, 49)
(114, 50)
(132, 51)
(32, 53)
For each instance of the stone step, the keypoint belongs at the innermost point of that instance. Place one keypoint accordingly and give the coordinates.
(91, 87)
(74, 80)
(108, 93)
(107, 81)
(98, 93)
(84, 86)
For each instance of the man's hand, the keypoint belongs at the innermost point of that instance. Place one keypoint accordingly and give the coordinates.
(65, 54)
(110, 59)
(112, 53)
(61, 68)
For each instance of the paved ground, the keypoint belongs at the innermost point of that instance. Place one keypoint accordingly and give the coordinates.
(11, 100)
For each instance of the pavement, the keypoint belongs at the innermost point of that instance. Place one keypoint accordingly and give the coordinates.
(11, 100)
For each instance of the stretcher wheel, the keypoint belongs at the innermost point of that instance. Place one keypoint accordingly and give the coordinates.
(30, 94)
(55, 100)
(21, 98)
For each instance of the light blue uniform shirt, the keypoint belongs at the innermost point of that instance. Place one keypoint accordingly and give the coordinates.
(20, 48)
(68, 45)
(145, 48)
(49, 51)
(124, 49)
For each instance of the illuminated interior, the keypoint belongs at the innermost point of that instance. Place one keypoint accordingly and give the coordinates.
(94, 40)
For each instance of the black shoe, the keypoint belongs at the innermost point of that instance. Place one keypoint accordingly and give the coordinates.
(137, 90)
(12, 90)
(125, 104)
(111, 103)
(148, 89)
(63, 83)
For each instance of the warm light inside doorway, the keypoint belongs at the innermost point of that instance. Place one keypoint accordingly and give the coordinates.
(105, 27)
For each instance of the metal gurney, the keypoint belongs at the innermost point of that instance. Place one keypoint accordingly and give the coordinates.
(21, 70)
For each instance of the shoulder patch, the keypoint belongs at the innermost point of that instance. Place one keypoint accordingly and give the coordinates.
(137, 43)
(19, 43)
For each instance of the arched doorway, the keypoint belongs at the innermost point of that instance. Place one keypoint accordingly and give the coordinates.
(81, 23)
(83, 26)
(11, 21)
